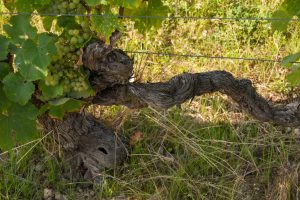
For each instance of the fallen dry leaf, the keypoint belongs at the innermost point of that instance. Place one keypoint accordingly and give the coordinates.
(136, 136)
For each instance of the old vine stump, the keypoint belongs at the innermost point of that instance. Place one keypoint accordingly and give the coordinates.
(88, 146)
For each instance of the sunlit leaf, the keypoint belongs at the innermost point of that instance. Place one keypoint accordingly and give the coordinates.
(288, 60)
(17, 123)
(294, 77)
(20, 29)
(70, 105)
(155, 10)
(3, 47)
(17, 89)
(105, 24)
(287, 10)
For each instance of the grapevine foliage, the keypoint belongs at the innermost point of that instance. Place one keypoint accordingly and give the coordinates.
(154, 8)
(288, 10)
(40, 56)
(107, 24)
(17, 122)
(17, 89)
(3, 47)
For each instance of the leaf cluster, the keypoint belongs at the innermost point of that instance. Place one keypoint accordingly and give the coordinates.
(282, 17)
(28, 47)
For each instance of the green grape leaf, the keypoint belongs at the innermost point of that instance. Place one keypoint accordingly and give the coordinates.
(4, 70)
(294, 77)
(288, 9)
(17, 123)
(96, 2)
(43, 109)
(50, 92)
(106, 24)
(4, 102)
(280, 25)
(131, 4)
(3, 47)
(52, 103)
(30, 5)
(10, 5)
(17, 89)
(288, 60)
(33, 58)
(154, 8)
(47, 22)
(59, 101)
(291, 6)
(58, 111)
(20, 28)
(46, 44)
(67, 22)
(83, 94)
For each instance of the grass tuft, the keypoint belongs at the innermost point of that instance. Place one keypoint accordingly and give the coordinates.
(208, 149)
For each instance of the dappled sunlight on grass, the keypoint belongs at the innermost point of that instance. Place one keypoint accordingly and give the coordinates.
(208, 148)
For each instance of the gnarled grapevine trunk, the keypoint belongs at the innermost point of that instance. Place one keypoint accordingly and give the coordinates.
(88, 145)
(182, 88)
(95, 147)
(185, 86)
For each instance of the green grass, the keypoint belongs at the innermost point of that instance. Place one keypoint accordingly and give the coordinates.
(208, 149)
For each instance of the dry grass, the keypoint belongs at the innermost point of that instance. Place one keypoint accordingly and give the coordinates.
(208, 149)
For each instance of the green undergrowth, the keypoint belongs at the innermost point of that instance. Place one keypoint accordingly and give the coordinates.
(208, 149)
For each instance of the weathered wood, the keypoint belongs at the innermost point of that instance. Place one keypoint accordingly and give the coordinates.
(185, 86)
(88, 145)
(182, 88)
(107, 66)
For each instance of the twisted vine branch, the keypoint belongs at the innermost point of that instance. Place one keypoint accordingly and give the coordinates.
(90, 147)
(180, 89)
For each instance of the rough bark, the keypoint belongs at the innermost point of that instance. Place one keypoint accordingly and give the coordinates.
(107, 66)
(185, 86)
(88, 145)
(180, 89)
